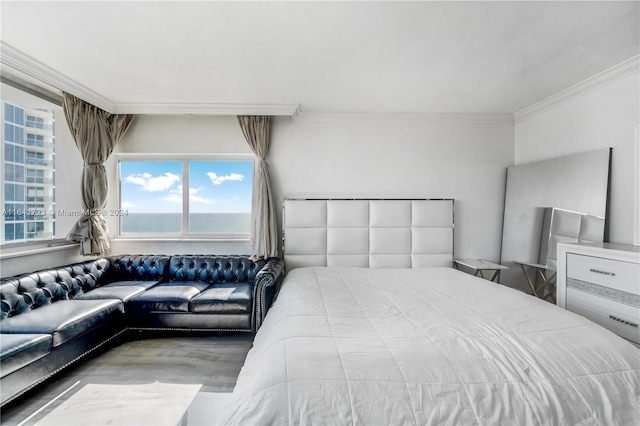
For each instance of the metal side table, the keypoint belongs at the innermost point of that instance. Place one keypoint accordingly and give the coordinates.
(478, 266)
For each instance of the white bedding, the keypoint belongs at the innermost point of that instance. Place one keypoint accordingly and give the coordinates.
(429, 346)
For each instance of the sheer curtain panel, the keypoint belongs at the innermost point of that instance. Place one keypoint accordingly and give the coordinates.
(96, 133)
(257, 132)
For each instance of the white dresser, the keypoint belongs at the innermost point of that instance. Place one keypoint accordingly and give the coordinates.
(602, 283)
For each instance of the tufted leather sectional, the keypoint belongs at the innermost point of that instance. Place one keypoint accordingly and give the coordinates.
(53, 317)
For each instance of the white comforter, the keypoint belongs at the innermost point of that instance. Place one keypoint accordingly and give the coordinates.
(429, 346)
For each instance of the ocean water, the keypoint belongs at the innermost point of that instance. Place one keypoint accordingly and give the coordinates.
(199, 223)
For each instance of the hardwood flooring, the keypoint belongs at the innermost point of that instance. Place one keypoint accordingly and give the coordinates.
(212, 360)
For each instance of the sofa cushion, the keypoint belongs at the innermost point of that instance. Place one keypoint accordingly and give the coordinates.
(173, 296)
(18, 350)
(122, 290)
(224, 298)
(65, 319)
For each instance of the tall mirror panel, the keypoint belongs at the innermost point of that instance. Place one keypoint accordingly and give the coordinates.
(576, 183)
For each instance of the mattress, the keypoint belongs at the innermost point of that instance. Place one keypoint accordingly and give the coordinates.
(429, 346)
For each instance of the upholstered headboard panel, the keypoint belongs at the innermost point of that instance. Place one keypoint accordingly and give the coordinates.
(368, 233)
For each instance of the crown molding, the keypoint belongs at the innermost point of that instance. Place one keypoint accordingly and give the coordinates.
(289, 110)
(21, 63)
(606, 77)
(426, 118)
(24, 64)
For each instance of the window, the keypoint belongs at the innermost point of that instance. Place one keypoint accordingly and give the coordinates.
(217, 204)
(28, 160)
(36, 194)
(34, 121)
(36, 176)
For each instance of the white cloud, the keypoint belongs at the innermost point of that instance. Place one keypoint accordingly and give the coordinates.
(198, 199)
(172, 198)
(217, 180)
(150, 183)
(176, 196)
(127, 204)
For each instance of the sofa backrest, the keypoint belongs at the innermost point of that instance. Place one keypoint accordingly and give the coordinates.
(85, 275)
(26, 292)
(214, 269)
(138, 267)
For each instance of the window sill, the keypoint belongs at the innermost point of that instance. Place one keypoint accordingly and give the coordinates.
(181, 239)
(28, 250)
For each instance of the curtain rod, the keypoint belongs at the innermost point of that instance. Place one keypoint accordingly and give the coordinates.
(32, 90)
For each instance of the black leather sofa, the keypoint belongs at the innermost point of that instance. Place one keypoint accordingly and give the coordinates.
(53, 317)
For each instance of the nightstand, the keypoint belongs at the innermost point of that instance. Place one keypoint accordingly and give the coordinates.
(478, 266)
(547, 287)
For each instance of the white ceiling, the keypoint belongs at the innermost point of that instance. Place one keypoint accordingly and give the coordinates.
(375, 57)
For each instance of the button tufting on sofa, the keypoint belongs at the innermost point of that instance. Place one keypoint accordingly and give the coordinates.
(84, 305)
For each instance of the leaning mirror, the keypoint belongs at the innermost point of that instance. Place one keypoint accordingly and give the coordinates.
(577, 183)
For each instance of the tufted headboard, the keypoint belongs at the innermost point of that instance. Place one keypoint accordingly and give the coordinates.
(375, 233)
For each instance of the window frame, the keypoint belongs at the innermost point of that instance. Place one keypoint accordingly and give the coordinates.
(53, 97)
(185, 159)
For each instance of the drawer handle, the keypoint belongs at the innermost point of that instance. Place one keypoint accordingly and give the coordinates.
(598, 271)
(632, 324)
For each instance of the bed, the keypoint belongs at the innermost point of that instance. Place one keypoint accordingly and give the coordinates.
(407, 340)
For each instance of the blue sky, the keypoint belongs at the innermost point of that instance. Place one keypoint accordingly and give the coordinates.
(214, 186)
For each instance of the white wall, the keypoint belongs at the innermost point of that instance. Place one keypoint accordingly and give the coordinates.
(605, 117)
(395, 159)
(349, 158)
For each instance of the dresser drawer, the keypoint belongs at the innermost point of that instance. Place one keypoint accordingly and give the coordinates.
(624, 276)
(621, 318)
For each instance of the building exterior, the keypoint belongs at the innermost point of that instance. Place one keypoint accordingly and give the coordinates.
(28, 173)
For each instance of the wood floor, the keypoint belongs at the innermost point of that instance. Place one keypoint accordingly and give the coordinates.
(212, 360)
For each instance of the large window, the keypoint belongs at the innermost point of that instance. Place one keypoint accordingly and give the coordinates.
(28, 156)
(153, 201)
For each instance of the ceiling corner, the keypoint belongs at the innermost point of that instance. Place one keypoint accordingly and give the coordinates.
(23, 64)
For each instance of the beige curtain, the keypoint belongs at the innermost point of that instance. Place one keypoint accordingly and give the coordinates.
(257, 132)
(96, 133)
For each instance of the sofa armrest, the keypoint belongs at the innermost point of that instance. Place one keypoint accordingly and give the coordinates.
(267, 284)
